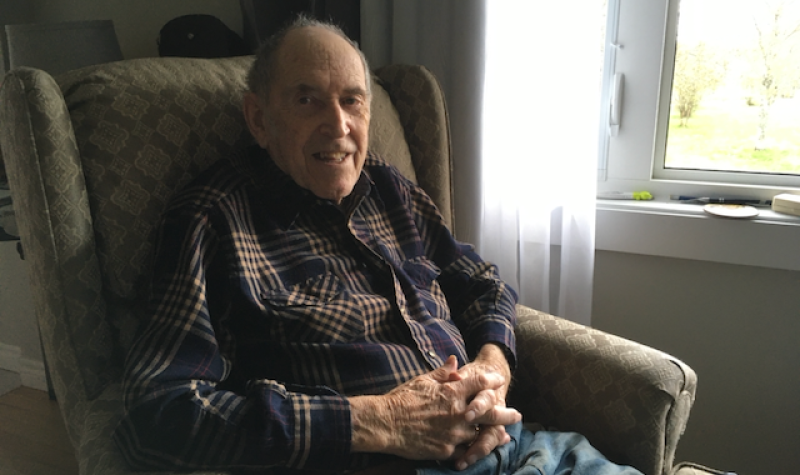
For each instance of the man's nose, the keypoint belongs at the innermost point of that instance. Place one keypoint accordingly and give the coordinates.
(335, 121)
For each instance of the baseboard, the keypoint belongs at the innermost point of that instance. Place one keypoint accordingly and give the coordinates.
(10, 357)
(31, 372)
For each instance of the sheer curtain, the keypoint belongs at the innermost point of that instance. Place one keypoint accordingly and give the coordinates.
(521, 79)
(540, 114)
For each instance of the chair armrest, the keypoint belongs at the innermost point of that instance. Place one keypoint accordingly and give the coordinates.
(631, 401)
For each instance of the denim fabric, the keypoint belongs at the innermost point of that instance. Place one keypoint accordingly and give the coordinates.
(539, 453)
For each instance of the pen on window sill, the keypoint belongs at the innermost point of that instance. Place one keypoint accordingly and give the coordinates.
(721, 200)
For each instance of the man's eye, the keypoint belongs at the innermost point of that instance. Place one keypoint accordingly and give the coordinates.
(304, 100)
(351, 101)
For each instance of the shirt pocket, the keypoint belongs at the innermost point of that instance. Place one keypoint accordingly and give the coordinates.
(314, 291)
(316, 310)
(429, 298)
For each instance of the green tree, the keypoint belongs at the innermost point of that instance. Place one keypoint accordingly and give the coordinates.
(774, 71)
(698, 71)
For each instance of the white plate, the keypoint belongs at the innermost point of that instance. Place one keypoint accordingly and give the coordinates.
(731, 211)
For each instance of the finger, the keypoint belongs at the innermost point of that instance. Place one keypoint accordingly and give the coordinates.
(447, 372)
(459, 453)
(498, 415)
(476, 367)
(472, 384)
(489, 438)
(482, 402)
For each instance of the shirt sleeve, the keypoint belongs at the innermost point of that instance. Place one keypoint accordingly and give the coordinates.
(482, 305)
(177, 415)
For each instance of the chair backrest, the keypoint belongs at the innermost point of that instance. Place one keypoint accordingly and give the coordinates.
(94, 157)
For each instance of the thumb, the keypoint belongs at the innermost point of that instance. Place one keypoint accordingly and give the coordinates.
(448, 371)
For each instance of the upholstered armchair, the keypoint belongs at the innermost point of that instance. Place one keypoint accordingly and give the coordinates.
(93, 158)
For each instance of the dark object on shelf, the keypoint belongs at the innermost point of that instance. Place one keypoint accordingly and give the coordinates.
(262, 18)
(200, 36)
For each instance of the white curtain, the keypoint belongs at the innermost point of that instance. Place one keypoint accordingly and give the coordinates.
(540, 116)
(522, 83)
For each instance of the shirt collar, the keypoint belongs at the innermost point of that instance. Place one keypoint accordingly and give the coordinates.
(285, 199)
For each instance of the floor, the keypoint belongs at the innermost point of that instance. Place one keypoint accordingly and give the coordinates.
(33, 440)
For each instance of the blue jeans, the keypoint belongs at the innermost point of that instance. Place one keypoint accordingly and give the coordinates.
(539, 453)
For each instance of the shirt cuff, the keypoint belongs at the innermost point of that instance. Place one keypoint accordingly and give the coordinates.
(499, 333)
(322, 433)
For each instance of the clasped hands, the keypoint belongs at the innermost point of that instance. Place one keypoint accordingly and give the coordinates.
(434, 416)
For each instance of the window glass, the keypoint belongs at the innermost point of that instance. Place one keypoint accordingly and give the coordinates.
(735, 96)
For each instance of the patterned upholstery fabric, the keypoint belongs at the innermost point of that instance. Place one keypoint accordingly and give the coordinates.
(419, 100)
(46, 174)
(632, 402)
(92, 160)
(386, 133)
(144, 128)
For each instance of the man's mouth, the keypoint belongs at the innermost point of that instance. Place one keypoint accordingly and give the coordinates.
(331, 157)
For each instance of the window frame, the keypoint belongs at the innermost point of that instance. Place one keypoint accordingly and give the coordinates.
(643, 49)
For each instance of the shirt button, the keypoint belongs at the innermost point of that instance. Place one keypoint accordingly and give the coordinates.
(431, 353)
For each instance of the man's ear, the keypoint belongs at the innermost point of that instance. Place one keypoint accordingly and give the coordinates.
(253, 109)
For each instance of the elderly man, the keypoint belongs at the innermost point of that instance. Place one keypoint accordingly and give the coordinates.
(310, 309)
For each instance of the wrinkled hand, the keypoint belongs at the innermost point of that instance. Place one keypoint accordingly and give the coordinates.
(425, 418)
(485, 404)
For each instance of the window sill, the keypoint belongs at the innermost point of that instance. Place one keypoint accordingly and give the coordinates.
(685, 231)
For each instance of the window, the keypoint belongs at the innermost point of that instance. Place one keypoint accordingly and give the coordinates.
(645, 35)
(711, 97)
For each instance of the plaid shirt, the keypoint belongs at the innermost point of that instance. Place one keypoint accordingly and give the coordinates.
(270, 306)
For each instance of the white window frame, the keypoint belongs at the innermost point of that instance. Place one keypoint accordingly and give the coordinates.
(645, 56)
(638, 50)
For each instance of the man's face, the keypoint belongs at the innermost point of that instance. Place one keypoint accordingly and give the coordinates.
(316, 115)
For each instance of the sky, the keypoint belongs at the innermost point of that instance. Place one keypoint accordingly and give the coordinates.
(728, 23)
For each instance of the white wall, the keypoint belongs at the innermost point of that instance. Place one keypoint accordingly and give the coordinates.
(20, 350)
(739, 328)
(137, 22)
(17, 327)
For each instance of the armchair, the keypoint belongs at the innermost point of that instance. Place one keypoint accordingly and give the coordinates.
(93, 158)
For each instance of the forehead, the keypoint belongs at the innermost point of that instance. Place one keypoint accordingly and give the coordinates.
(311, 54)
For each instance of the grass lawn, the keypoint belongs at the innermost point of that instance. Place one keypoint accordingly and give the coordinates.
(722, 135)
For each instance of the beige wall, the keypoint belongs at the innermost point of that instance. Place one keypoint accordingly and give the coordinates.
(739, 328)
